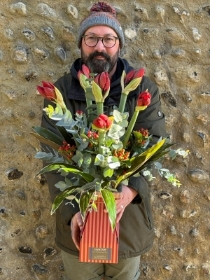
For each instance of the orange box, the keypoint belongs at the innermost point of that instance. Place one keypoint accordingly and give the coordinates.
(99, 243)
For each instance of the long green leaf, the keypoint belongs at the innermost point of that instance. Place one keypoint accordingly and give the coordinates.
(110, 204)
(140, 160)
(84, 201)
(45, 141)
(67, 136)
(49, 135)
(61, 197)
(67, 168)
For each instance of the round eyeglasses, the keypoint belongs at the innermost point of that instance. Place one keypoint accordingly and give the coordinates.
(92, 41)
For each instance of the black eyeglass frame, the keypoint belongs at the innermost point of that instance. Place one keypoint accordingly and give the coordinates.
(100, 38)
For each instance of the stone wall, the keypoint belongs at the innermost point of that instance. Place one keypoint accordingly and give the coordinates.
(171, 40)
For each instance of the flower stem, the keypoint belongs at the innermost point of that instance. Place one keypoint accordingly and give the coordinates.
(88, 103)
(101, 140)
(100, 108)
(123, 100)
(130, 128)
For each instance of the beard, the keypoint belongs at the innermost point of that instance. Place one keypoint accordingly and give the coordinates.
(98, 65)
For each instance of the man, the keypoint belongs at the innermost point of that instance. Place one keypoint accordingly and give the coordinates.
(100, 39)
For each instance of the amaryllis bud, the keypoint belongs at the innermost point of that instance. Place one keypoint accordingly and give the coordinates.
(144, 99)
(133, 74)
(103, 122)
(79, 112)
(129, 77)
(85, 71)
(103, 81)
(47, 90)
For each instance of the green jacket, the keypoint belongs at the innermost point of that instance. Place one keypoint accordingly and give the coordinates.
(136, 224)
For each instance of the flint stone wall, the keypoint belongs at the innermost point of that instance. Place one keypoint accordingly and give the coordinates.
(38, 42)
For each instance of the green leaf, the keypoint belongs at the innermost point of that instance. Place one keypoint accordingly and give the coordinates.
(113, 162)
(78, 158)
(68, 138)
(116, 131)
(87, 159)
(132, 85)
(97, 92)
(44, 156)
(84, 81)
(110, 204)
(99, 160)
(89, 94)
(84, 202)
(66, 168)
(138, 162)
(47, 137)
(108, 172)
(118, 116)
(61, 185)
(61, 197)
(45, 141)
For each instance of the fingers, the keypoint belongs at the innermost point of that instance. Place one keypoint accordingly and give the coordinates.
(76, 227)
(119, 210)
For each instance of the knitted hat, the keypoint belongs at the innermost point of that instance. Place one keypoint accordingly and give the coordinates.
(101, 13)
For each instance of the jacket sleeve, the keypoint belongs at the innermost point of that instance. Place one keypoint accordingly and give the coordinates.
(152, 119)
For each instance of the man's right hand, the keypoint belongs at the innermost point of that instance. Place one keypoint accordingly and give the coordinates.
(76, 227)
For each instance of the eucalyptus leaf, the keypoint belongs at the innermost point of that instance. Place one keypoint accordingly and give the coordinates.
(61, 185)
(108, 172)
(57, 114)
(83, 145)
(44, 156)
(116, 131)
(78, 157)
(113, 162)
(117, 116)
(87, 159)
(99, 160)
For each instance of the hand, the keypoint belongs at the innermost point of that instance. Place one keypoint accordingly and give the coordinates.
(76, 227)
(127, 195)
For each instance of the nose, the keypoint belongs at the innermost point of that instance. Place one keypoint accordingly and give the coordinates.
(99, 46)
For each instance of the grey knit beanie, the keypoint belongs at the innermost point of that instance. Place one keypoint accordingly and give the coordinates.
(101, 13)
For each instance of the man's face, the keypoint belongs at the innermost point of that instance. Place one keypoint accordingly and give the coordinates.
(100, 58)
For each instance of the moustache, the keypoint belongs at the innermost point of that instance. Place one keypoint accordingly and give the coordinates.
(96, 53)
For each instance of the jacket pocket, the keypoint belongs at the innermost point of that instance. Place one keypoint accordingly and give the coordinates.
(146, 211)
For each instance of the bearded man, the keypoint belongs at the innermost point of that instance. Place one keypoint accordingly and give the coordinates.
(100, 39)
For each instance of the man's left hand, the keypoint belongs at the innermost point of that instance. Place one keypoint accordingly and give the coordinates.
(127, 195)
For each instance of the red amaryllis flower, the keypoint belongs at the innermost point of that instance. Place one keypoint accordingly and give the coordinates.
(103, 81)
(144, 99)
(47, 90)
(102, 122)
(85, 71)
(133, 74)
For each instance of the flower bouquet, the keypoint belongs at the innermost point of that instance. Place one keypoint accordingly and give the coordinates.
(97, 152)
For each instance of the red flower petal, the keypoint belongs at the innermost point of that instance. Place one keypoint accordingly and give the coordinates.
(48, 85)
